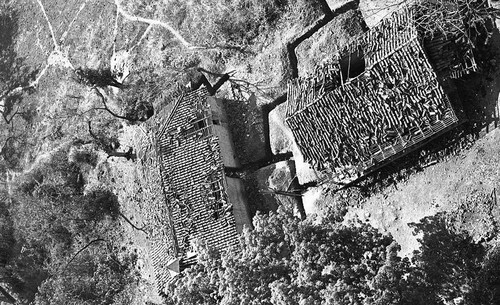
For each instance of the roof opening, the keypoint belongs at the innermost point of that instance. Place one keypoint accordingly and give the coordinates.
(352, 64)
(201, 127)
(200, 124)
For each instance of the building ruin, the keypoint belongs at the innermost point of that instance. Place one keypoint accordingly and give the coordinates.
(385, 94)
(190, 146)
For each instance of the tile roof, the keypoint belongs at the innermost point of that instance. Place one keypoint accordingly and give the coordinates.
(191, 175)
(450, 58)
(387, 36)
(349, 129)
(157, 217)
(450, 54)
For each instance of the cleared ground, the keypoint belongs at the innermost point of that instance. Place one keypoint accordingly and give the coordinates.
(440, 187)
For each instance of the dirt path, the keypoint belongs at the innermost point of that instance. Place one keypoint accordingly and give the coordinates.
(52, 35)
(55, 57)
(167, 26)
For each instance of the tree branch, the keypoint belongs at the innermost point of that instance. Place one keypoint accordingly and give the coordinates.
(8, 121)
(80, 251)
(109, 149)
(130, 223)
(106, 108)
(5, 144)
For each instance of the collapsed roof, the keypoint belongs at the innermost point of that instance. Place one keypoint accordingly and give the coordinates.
(381, 96)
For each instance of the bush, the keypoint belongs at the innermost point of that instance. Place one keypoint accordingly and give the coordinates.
(288, 261)
(94, 277)
(99, 203)
(244, 20)
(139, 97)
(83, 156)
(487, 288)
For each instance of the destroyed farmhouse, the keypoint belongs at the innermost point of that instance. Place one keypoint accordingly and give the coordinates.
(384, 95)
(190, 145)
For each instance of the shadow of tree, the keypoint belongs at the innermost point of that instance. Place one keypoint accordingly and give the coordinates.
(450, 268)
(447, 263)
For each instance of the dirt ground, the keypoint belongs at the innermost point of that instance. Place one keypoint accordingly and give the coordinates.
(440, 187)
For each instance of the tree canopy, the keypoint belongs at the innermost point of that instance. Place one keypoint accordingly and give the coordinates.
(59, 241)
(285, 260)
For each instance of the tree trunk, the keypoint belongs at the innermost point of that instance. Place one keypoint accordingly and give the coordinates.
(202, 80)
(106, 108)
(129, 155)
(253, 166)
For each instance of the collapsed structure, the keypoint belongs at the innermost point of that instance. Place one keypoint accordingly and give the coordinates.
(380, 97)
(190, 146)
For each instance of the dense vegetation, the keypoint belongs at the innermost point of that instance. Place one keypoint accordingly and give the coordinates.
(285, 260)
(62, 243)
